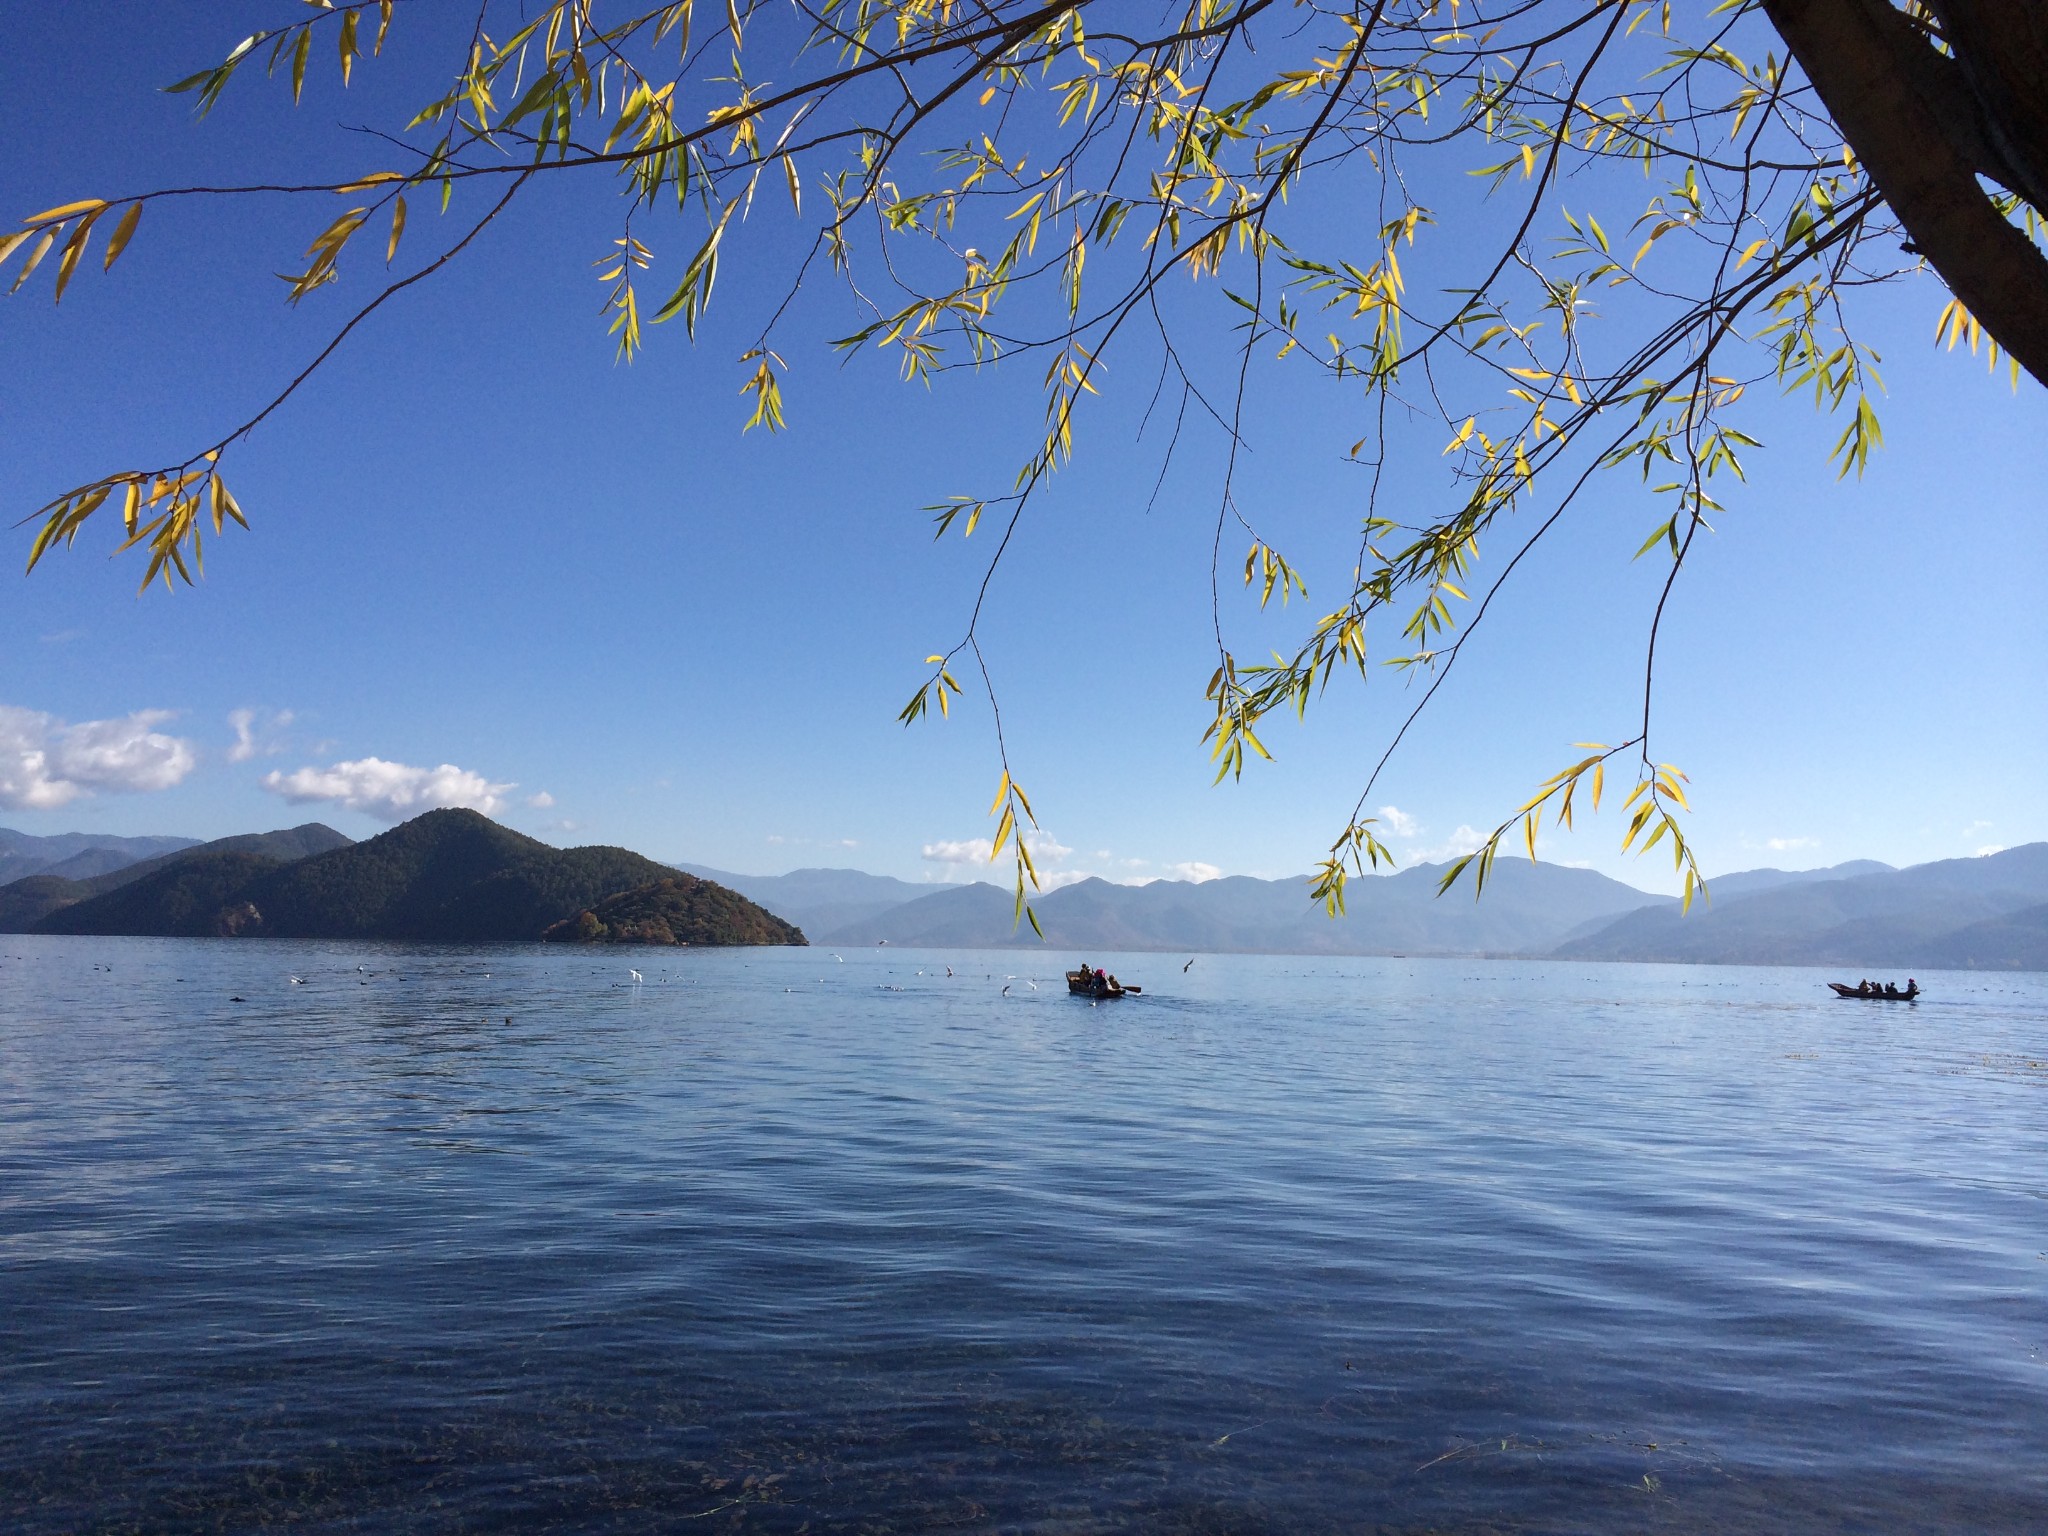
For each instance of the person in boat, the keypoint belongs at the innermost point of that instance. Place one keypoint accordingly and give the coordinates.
(1891, 989)
(1863, 987)
(1912, 988)
(1101, 982)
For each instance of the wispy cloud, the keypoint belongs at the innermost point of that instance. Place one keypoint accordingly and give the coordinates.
(46, 762)
(541, 800)
(1790, 844)
(390, 791)
(956, 852)
(962, 850)
(1059, 879)
(1461, 842)
(1990, 848)
(256, 734)
(1399, 822)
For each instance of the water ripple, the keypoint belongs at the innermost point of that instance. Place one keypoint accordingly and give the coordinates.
(456, 1239)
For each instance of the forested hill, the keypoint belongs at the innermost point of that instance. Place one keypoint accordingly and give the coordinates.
(681, 909)
(24, 903)
(447, 876)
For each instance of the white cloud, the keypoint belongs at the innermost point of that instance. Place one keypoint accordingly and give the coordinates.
(542, 801)
(390, 791)
(1195, 870)
(46, 762)
(958, 852)
(1790, 844)
(1461, 842)
(251, 738)
(1399, 822)
(243, 723)
(1990, 848)
(963, 850)
(1057, 879)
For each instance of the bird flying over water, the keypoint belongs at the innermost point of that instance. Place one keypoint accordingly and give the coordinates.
(1184, 969)
(634, 974)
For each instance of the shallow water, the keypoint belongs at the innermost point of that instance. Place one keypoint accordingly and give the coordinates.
(496, 1239)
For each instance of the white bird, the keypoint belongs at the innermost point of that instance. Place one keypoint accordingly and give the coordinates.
(298, 981)
(1032, 985)
(634, 974)
(949, 970)
(840, 958)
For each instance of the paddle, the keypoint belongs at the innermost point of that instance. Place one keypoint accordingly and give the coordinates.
(1129, 988)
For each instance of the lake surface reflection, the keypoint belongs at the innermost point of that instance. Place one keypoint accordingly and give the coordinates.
(497, 1239)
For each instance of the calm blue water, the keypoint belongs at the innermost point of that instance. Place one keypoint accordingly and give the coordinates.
(492, 1239)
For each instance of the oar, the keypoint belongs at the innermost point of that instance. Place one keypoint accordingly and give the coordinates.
(1129, 988)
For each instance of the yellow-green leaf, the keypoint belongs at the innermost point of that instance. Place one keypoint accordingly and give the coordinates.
(55, 215)
(122, 231)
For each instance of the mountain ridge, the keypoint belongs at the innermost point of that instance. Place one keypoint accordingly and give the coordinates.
(1896, 917)
(445, 876)
(25, 902)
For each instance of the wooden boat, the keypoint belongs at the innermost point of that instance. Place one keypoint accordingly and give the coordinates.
(1084, 984)
(1842, 990)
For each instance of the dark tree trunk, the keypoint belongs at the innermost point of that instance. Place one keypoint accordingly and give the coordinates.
(1926, 127)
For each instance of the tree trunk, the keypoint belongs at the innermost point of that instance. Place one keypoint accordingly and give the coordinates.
(1925, 127)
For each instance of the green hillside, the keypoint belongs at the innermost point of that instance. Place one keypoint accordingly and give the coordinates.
(25, 903)
(680, 909)
(448, 876)
(198, 896)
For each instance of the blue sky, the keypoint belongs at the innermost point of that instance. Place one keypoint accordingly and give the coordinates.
(480, 545)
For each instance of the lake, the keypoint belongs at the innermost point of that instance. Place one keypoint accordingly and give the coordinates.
(467, 1239)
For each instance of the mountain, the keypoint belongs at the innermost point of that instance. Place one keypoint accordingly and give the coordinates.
(25, 902)
(818, 900)
(447, 876)
(188, 898)
(679, 910)
(1527, 909)
(1749, 881)
(1907, 917)
(77, 855)
(2017, 941)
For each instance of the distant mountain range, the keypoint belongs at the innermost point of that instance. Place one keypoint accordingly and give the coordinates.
(818, 900)
(457, 875)
(1982, 913)
(77, 855)
(447, 876)
(1528, 908)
